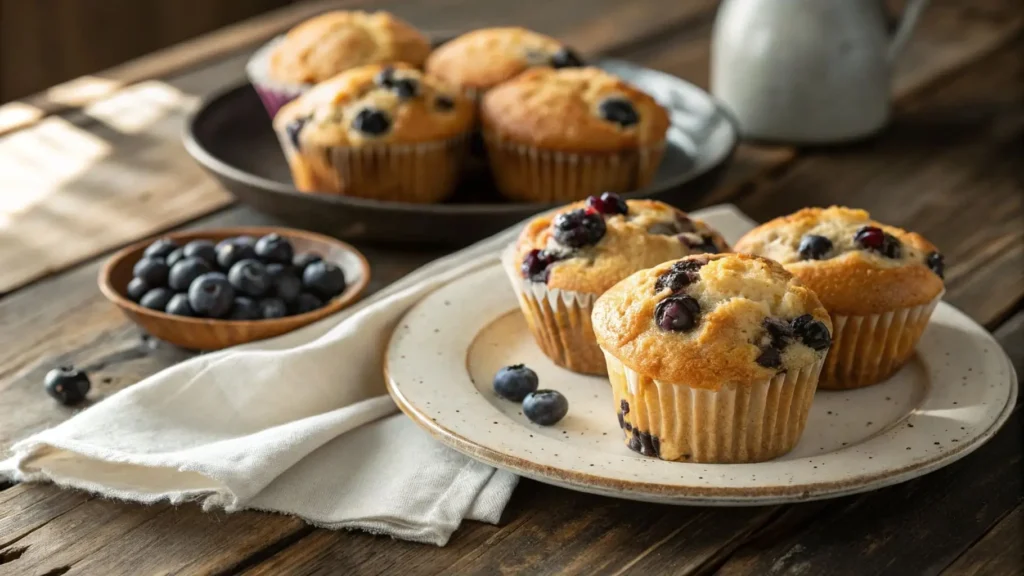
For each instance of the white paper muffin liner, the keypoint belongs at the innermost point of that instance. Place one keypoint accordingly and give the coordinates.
(273, 94)
(740, 423)
(868, 349)
(531, 174)
(558, 319)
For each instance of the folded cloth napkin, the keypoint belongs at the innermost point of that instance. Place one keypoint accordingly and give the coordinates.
(300, 424)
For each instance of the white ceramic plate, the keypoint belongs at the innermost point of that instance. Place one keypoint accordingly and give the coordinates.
(951, 398)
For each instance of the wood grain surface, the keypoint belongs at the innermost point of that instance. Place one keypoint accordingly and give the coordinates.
(949, 167)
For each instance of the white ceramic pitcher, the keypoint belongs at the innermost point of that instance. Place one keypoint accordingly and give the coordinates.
(807, 71)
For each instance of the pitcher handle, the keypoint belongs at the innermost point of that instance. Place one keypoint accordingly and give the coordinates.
(905, 28)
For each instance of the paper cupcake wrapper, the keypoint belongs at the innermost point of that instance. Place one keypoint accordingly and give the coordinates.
(559, 321)
(531, 174)
(420, 173)
(744, 423)
(868, 349)
(274, 95)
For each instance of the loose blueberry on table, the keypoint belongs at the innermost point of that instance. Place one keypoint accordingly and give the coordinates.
(545, 407)
(515, 382)
(67, 384)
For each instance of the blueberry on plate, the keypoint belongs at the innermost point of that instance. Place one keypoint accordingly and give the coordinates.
(67, 384)
(156, 299)
(137, 288)
(179, 306)
(162, 248)
(324, 279)
(273, 308)
(185, 271)
(276, 270)
(303, 259)
(211, 295)
(286, 286)
(515, 382)
(306, 302)
(249, 277)
(245, 308)
(545, 407)
(152, 269)
(274, 248)
(202, 249)
(174, 257)
(230, 254)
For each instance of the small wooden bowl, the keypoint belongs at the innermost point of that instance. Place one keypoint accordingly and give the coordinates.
(211, 334)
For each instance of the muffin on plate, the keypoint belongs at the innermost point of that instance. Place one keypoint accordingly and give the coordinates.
(712, 358)
(562, 135)
(879, 283)
(387, 132)
(327, 45)
(479, 60)
(563, 261)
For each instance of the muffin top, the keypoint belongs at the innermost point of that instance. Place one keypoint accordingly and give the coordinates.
(589, 246)
(336, 41)
(574, 109)
(709, 321)
(375, 104)
(484, 58)
(856, 265)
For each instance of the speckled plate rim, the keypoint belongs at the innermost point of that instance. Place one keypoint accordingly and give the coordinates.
(748, 484)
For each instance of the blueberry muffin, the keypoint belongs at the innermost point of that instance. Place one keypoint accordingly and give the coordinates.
(387, 132)
(563, 261)
(562, 135)
(712, 358)
(327, 45)
(879, 283)
(481, 59)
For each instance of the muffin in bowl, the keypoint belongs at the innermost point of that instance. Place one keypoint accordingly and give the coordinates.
(327, 45)
(712, 358)
(563, 261)
(480, 60)
(560, 135)
(879, 283)
(387, 132)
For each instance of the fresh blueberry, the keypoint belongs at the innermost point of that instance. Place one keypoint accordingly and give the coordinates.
(619, 111)
(608, 203)
(770, 357)
(680, 275)
(249, 277)
(536, 265)
(156, 299)
(202, 249)
(811, 332)
(294, 129)
(162, 248)
(286, 286)
(306, 302)
(67, 384)
(185, 271)
(137, 288)
(545, 407)
(372, 121)
(245, 240)
(703, 244)
(245, 309)
(152, 269)
(814, 247)
(230, 254)
(174, 257)
(324, 279)
(937, 263)
(566, 57)
(274, 248)
(677, 313)
(515, 382)
(444, 103)
(211, 295)
(780, 331)
(303, 259)
(273, 308)
(179, 306)
(578, 228)
(892, 247)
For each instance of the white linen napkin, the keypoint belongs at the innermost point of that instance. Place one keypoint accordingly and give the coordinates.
(300, 424)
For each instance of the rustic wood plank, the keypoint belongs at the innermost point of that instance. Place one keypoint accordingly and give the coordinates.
(24, 509)
(999, 552)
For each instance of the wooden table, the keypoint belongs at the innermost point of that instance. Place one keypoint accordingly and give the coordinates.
(97, 163)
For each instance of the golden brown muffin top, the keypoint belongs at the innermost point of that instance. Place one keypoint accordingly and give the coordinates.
(330, 43)
(588, 250)
(481, 59)
(857, 266)
(709, 321)
(376, 104)
(574, 109)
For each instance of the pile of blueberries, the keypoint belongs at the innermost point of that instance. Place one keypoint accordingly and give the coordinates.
(239, 278)
(519, 384)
